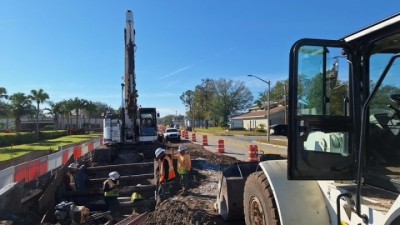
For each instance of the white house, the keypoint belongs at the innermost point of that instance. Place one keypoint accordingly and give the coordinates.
(258, 117)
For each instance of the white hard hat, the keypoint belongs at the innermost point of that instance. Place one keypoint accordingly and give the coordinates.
(159, 151)
(73, 166)
(182, 148)
(114, 175)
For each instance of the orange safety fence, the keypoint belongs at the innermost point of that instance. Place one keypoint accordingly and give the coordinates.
(33, 169)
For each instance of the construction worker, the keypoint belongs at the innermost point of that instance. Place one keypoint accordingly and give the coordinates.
(166, 173)
(184, 167)
(70, 177)
(76, 178)
(135, 198)
(111, 192)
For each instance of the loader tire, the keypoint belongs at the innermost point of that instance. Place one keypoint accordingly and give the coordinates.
(259, 202)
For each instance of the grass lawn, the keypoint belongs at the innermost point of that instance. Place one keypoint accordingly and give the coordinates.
(9, 152)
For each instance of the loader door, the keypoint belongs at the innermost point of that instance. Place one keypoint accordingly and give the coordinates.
(320, 127)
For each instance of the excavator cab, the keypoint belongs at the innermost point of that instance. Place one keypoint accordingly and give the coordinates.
(344, 109)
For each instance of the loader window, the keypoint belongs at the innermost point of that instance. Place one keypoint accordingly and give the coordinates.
(323, 90)
(320, 122)
(322, 81)
(383, 143)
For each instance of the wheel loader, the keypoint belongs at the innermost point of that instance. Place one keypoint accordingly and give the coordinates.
(343, 156)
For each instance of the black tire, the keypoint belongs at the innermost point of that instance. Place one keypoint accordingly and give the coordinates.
(259, 202)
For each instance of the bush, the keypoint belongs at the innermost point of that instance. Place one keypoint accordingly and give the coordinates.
(48, 127)
(8, 139)
(238, 128)
(17, 138)
(52, 134)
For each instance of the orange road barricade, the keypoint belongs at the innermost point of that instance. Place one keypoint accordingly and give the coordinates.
(194, 137)
(253, 153)
(186, 135)
(221, 148)
(205, 141)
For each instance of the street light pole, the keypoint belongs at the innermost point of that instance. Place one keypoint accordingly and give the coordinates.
(268, 109)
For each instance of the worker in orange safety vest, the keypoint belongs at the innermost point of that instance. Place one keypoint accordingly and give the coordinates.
(166, 173)
(184, 166)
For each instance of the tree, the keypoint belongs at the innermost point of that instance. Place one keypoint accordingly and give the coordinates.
(3, 93)
(21, 105)
(39, 96)
(65, 111)
(90, 109)
(77, 104)
(203, 100)
(55, 111)
(187, 99)
(4, 107)
(277, 93)
(230, 98)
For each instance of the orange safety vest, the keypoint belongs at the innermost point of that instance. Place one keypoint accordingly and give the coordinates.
(171, 171)
(184, 164)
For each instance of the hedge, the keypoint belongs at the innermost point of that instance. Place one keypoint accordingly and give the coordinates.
(8, 139)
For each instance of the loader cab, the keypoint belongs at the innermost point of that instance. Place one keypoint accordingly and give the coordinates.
(344, 107)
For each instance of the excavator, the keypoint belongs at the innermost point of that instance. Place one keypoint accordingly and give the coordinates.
(134, 124)
(343, 159)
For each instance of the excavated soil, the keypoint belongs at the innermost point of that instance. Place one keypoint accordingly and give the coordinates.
(198, 206)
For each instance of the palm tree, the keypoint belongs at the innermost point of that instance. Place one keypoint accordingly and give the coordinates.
(39, 96)
(65, 110)
(21, 105)
(4, 107)
(55, 111)
(77, 104)
(90, 109)
(3, 93)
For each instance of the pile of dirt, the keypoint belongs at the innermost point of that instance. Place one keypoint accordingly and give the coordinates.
(198, 206)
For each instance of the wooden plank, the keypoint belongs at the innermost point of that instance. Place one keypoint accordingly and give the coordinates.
(124, 191)
(124, 178)
(47, 202)
(120, 166)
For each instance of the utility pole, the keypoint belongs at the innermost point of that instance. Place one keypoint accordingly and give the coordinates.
(268, 109)
(122, 113)
(285, 102)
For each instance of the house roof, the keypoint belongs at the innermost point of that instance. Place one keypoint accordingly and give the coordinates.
(260, 114)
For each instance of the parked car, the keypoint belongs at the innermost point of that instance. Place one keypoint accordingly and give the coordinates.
(172, 134)
(278, 129)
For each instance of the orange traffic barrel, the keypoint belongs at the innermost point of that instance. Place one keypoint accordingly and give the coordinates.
(253, 153)
(194, 137)
(186, 135)
(221, 148)
(205, 141)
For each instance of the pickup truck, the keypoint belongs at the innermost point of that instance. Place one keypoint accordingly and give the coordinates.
(172, 134)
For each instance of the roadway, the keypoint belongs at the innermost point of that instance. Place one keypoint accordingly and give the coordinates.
(238, 145)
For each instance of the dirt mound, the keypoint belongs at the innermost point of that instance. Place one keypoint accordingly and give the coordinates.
(198, 206)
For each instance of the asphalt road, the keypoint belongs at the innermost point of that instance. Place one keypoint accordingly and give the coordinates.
(238, 146)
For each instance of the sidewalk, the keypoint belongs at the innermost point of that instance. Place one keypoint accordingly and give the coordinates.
(237, 147)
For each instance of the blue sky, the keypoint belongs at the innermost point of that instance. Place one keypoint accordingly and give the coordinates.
(75, 48)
